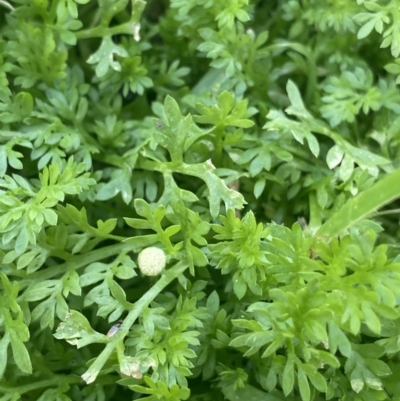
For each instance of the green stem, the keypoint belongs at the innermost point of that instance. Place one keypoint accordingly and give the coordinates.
(391, 211)
(44, 383)
(171, 274)
(102, 31)
(75, 263)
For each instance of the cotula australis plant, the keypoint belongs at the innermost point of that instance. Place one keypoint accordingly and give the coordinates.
(193, 200)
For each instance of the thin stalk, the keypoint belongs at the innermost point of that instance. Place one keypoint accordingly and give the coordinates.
(75, 263)
(170, 275)
(26, 388)
(102, 31)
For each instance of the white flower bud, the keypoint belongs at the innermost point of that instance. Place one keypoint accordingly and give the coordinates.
(152, 261)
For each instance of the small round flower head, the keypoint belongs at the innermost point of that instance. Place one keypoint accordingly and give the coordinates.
(152, 261)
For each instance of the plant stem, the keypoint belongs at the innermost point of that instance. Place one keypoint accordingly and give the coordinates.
(102, 31)
(171, 274)
(75, 263)
(44, 383)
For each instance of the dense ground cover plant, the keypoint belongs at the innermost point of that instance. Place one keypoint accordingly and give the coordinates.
(193, 200)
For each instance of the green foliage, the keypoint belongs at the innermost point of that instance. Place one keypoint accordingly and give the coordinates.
(254, 143)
